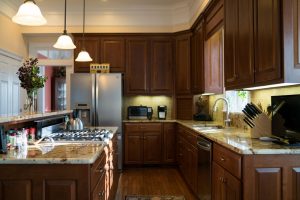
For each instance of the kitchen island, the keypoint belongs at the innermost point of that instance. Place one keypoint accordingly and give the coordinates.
(66, 171)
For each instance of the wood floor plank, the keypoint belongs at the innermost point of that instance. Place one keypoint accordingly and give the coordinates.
(152, 181)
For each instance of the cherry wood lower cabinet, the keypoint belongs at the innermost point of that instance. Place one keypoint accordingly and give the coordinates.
(143, 143)
(61, 181)
(187, 156)
(169, 143)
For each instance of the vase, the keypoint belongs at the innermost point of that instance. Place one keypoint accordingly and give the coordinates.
(31, 102)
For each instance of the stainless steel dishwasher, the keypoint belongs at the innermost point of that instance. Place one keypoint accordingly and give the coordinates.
(204, 168)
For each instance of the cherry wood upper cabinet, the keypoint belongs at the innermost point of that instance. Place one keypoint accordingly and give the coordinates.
(183, 67)
(238, 43)
(291, 40)
(137, 55)
(161, 66)
(92, 47)
(267, 34)
(113, 52)
(214, 15)
(197, 62)
(213, 63)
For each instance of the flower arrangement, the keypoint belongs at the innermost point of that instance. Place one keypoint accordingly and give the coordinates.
(30, 79)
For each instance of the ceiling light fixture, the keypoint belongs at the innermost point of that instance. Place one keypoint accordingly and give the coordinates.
(64, 41)
(83, 56)
(29, 14)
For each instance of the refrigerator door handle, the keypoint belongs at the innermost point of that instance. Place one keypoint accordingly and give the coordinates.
(93, 109)
(96, 99)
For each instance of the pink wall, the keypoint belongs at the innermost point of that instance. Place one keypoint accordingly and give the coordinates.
(48, 87)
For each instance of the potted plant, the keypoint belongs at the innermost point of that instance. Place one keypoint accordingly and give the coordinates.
(31, 81)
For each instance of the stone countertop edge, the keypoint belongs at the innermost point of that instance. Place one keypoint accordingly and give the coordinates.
(33, 116)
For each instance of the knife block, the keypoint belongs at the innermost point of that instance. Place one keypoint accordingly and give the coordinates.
(262, 126)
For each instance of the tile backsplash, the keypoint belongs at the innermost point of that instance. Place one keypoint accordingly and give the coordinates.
(150, 101)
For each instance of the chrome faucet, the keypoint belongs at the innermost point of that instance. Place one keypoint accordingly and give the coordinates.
(227, 120)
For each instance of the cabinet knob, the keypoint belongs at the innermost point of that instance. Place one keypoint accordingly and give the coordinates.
(101, 194)
(222, 159)
(99, 170)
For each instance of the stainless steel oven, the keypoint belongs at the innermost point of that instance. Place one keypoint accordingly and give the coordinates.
(204, 168)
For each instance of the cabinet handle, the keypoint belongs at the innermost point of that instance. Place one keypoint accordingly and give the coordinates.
(221, 179)
(101, 194)
(99, 170)
(222, 159)
(224, 180)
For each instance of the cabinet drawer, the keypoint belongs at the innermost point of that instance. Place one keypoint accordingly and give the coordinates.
(188, 135)
(130, 127)
(151, 127)
(227, 159)
(98, 170)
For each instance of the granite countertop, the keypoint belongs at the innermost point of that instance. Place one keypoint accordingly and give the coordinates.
(59, 153)
(20, 118)
(239, 140)
(148, 121)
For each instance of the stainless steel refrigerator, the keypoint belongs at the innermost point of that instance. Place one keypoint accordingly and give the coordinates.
(100, 98)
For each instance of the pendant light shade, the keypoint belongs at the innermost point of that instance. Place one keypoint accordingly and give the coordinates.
(83, 56)
(64, 41)
(29, 14)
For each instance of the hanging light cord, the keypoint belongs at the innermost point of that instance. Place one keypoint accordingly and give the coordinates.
(83, 26)
(65, 25)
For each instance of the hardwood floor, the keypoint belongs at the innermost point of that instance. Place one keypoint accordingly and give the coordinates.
(152, 181)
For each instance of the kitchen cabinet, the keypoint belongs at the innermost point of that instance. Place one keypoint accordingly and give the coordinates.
(58, 100)
(113, 52)
(271, 177)
(169, 143)
(183, 65)
(214, 15)
(197, 56)
(224, 185)
(253, 43)
(143, 143)
(137, 70)
(92, 46)
(161, 67)
(238, 43)
(226, 174)
(187, 156)
(213, 63)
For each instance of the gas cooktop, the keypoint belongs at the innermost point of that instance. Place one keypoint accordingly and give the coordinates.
(87, 135)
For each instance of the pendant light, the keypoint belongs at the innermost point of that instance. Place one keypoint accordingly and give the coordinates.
(64, 41)
(83, 56)
(29, 14)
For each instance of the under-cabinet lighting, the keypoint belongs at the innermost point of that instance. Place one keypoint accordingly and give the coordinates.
(271, 86)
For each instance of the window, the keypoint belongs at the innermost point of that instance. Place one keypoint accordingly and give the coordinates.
(237, 100)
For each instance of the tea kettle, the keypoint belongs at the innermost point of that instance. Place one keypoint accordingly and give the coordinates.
(75, 123)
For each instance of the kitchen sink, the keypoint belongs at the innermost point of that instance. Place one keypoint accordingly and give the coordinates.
(206, 127)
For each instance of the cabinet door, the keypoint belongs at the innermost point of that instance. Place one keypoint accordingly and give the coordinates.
(291, 38)
(197, 62)
(179, 155)
(152, 147)
(60, 189)
(217, 184)
(162, 66)
(213, 65)
(169, 143)
(136, 78)
(133, 147)
(16, 189)
(92, 47)
(232, 187)
(267, 31)
(238, 44)
(183, 70)
(113, 52)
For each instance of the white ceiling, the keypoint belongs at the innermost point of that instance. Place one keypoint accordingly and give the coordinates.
(112, 13)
